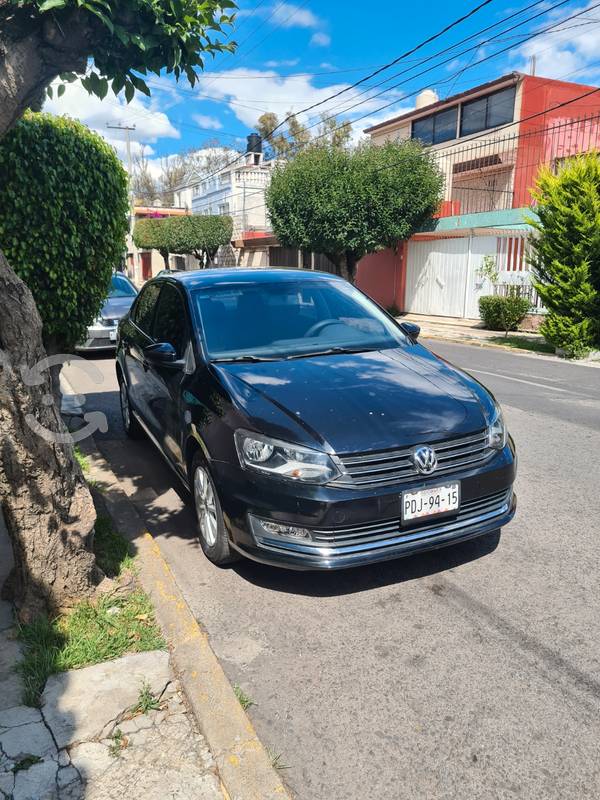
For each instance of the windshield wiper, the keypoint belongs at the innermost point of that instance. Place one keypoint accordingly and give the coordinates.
(241, 359)
(331, 351)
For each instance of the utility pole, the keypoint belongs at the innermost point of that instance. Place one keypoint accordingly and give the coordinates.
(127, 129)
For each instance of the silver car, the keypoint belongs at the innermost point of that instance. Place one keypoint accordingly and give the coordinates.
(102, 333)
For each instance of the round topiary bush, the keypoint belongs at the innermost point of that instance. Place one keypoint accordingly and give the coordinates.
(63, 220)
(503, 313)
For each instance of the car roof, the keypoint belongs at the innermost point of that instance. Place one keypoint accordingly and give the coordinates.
(201, 278)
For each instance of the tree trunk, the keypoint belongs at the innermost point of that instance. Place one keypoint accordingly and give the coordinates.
(45, 500)
(347, 266)
(47, 505)
(165, 256)
(32, 54)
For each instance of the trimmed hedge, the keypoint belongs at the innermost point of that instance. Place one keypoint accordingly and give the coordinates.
(503, 313)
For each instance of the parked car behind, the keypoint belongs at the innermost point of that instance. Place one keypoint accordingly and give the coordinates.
(311, 428)
(102, 333)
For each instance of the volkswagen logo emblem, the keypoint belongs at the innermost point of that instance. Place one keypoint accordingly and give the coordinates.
(424, 459)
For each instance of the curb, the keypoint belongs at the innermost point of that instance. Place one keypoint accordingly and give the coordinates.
(243, 763)
(516, 350)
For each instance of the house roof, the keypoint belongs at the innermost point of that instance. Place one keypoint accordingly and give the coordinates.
(505, 80)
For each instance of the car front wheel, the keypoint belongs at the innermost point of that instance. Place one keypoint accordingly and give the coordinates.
(211, 525)
(130, 424)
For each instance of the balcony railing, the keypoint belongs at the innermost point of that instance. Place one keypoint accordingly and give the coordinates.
(498, 173)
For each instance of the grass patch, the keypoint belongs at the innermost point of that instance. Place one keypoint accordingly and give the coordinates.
(244, 699)
(113, 553)
(276, 760)
(119, 742)
(146, 701)
(523, 343)
(91, 632)
(81, 460)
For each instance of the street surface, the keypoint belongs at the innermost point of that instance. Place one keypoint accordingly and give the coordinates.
(471, 672)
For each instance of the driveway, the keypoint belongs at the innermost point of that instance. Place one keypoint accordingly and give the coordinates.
(471, 672)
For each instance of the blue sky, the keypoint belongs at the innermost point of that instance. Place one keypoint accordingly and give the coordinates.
(294, 54)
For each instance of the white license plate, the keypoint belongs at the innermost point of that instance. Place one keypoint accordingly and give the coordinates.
(112, 336)
(429, 502)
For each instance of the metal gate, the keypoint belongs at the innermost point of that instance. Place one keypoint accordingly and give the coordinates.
(441, 275)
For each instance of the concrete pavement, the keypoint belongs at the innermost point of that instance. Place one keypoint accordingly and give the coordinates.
(472, 672)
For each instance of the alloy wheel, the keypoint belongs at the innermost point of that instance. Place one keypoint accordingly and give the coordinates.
(206, 506)
(125, 413)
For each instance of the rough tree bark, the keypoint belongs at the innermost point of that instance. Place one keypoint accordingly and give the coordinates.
(46, 503)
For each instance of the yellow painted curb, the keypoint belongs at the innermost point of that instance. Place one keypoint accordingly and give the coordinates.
(245, 768)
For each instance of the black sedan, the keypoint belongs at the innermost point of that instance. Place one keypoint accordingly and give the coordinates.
(312, 429)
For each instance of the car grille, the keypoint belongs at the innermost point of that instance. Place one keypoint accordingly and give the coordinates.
(391, 532)
(388, 467)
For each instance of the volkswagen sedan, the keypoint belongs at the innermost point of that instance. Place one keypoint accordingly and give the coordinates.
(312, 430)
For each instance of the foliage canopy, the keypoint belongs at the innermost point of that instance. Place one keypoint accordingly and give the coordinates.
(197, 235)
(63, 219)
(126, 39)
(347, 203)
(566, 253)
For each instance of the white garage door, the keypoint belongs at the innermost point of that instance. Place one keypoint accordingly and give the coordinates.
(441, 276)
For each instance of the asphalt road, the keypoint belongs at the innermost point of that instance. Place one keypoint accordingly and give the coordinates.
(471, 672)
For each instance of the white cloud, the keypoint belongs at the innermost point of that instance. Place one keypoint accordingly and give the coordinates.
(571, 48)
(288, 15)
(282, 94)
(206, 121)
(150, 123)
(291, 62)
(320, 39)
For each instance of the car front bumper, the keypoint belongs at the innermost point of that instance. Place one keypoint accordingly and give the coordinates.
(350, 527)
(99, 337)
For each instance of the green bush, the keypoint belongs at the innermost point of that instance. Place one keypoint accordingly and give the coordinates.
(566, 253)
(63, 220)
(197, 235)
(503, 313)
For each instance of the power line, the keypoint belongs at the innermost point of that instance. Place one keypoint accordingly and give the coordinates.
(390, 64)
(510, 124)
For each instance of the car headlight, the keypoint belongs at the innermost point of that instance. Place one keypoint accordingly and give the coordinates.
(282, 460)
(497, 433)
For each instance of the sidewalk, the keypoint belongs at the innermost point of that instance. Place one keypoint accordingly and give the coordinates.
(115, 730)
(464, 330)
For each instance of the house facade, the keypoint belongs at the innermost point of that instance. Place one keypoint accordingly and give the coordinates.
(489, 143)
(141, 265)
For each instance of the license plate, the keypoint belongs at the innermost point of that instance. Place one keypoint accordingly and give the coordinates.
(430, 502)
(112, 336)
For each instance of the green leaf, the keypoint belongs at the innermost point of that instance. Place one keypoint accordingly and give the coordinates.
(61, 90)
(129, 91)
(118, 83)
(50, 4)
(140, 85)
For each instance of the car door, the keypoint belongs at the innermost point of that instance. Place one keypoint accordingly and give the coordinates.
(135, 336)
(172, 325)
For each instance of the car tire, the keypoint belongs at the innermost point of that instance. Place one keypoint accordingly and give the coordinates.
(132, 427)
(211, 524)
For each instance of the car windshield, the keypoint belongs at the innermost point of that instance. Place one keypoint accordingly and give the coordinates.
(121, 287)
(287, 319)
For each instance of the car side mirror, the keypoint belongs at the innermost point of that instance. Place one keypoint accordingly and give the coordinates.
(160, 353)
(411, 329)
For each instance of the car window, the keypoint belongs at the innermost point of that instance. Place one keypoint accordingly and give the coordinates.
(144, 308)
(121, 287)
(170, 321)
(291, 318)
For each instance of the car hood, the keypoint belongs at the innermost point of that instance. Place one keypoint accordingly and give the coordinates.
(116, 307)
(361, 401)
